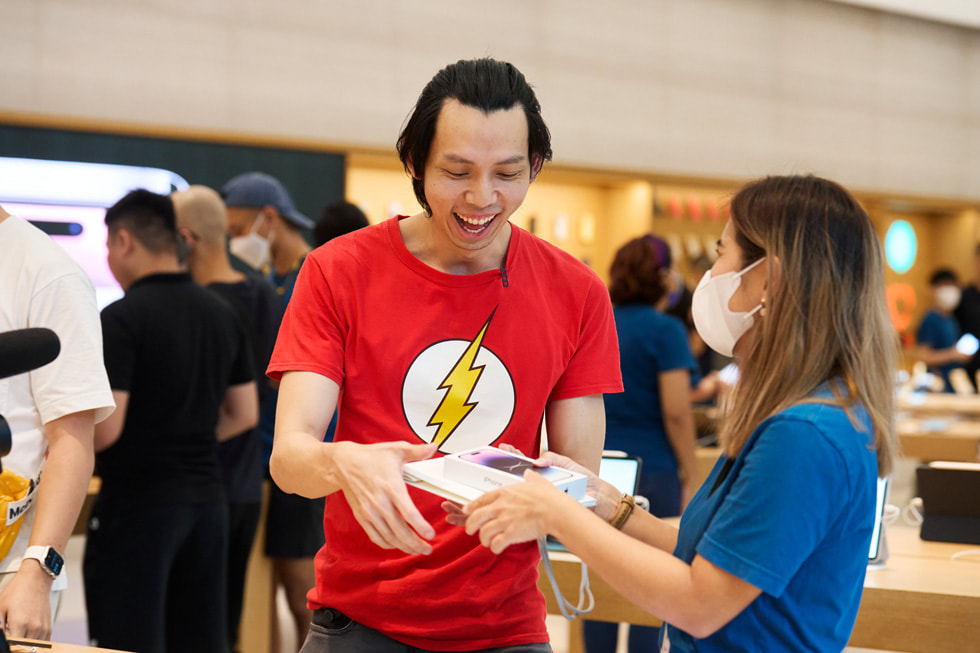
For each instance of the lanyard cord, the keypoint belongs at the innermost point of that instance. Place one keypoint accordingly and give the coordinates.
(585, 599)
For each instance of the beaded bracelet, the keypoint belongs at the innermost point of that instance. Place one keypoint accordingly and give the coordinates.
(623, 512)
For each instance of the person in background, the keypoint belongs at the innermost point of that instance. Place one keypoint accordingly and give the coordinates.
(652, 417)
(446, 330)
(771, 552)
(708, 386)
(182, 375)
(967, 314)
(51, 413)
(268, 233)
(338, 219)
(202, 223)
(936, 336)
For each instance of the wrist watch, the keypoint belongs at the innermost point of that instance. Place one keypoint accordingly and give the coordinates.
(51, 561)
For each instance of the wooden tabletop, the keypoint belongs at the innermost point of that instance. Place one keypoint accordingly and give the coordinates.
(940, 438)
(939, 403)
(18, 645)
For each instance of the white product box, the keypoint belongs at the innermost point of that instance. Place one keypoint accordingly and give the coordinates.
(487, 468)
(466, 475)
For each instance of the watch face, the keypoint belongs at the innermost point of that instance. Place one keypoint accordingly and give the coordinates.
(54, 561)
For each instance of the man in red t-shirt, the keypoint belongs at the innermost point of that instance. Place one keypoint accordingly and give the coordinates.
(436, 333)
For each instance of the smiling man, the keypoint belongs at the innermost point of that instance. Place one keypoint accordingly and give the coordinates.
(436, 333)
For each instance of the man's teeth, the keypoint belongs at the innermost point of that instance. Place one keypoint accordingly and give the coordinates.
(477, 223)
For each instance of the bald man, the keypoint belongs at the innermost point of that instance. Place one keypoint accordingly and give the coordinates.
(202, 222)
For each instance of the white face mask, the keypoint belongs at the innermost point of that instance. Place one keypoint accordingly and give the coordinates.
(719, 326)
(947, 297)
(251, 248)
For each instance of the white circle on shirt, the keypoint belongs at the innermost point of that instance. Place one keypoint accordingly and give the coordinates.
(460, 405)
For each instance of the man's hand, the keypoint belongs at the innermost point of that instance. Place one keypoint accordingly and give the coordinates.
(370, 476)
(25, 604)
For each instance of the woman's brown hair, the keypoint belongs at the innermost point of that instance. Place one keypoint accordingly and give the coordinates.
(635, 276)
(826, 315)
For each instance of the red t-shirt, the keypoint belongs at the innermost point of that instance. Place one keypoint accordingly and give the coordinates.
(466, 360)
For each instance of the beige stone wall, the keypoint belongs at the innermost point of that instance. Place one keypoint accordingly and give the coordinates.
(713, 88)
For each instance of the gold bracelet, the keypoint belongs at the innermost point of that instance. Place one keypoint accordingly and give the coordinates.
(623, 512)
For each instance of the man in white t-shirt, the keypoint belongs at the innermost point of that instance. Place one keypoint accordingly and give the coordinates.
(52, 412)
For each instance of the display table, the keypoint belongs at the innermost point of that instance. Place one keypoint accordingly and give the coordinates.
(940, 438)
(18, 645)
(920, 601)
(939, 403)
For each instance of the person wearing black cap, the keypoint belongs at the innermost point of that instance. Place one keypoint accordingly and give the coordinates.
(267, 233)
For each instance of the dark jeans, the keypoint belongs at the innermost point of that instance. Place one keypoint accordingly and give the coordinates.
(332, 632)
(243, 521)
(600, 637)
(155, 577)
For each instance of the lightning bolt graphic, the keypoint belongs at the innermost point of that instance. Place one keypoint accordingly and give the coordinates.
(459, 384)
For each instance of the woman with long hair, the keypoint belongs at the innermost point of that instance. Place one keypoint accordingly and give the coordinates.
(771, 552)
(652, 418)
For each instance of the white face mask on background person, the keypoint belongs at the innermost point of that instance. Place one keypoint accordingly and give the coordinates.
(251, 248)
(947, 297)
(719, 326)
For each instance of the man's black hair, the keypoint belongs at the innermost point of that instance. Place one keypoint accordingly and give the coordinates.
(943, 275)
(485, 84)
(338, 219)
(149, 217)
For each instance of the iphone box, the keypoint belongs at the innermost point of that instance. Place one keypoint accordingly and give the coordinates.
(487, 468)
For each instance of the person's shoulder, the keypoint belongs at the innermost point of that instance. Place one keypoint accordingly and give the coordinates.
(538, 254)
(256, 285)
(358, 246)
(819, 419)
(669, 322)
(928, 319)
(650, 318)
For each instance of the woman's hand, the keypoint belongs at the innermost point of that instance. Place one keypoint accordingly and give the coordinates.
(516, 513)
(606, 496)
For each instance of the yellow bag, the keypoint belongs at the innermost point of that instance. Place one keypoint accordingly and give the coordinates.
(13, 488)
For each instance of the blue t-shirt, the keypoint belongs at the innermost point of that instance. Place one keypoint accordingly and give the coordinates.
(649, 343)
(939, 332)
(793, 517)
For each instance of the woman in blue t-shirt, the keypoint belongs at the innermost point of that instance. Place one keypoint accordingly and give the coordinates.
(771, 552)
(652, 418)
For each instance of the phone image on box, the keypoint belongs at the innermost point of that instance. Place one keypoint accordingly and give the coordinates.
(496, 459)
(968, 344)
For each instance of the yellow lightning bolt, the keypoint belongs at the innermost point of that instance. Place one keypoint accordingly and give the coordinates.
(459, 384)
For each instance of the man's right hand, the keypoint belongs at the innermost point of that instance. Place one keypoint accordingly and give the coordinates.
(370, 476)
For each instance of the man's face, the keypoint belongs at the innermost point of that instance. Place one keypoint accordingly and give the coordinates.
(241, 219)
(116, 258)
(477, 175)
